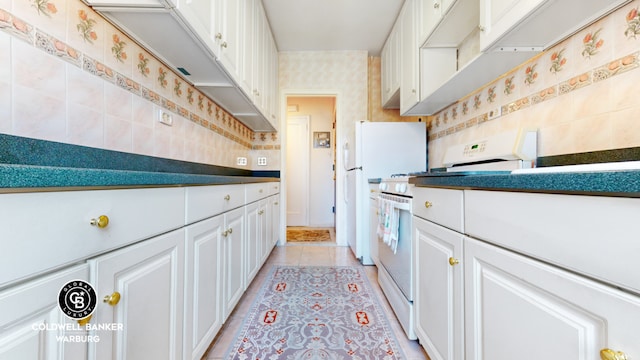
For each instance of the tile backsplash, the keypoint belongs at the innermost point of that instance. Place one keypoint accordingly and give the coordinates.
(67, 75)
(581, 94)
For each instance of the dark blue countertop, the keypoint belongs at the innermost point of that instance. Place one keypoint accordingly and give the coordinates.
(605, 183)
(25, 178)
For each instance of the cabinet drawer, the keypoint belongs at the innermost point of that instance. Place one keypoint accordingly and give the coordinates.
(274, 188)
(257, 191)
(206, 201)
(593, 235)
(42, 231)
(441, 206)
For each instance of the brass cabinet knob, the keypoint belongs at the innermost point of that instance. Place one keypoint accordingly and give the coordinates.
(608, 354)
(275, 203)
(227, 197)
(453, 261)
(112, 299)
(85, 321)
(427, 204)
(230, 230)
(218, 36)
(260, 212)
(224, 44)
(225, 233)
(102, 221)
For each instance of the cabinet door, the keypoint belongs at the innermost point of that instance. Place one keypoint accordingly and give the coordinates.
(233, 261)
(149, 277)
(409, 95)
(203, 288)
(199, 15)
(430, 13)
(499, 16)
(439, 290)
(264, 232)
(230, 35)
(26, 311)
(519, 308)
(275, 220)
(253, 240)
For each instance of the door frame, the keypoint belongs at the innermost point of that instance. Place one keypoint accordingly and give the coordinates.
(340, 215)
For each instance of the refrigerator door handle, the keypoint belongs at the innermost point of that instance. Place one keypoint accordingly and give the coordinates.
(355, 168)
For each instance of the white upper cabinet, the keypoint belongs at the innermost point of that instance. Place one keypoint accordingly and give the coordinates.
(390, 70)
(468, 43)
(509, 24)
(217, 53)
(230, 35)
(409, 81)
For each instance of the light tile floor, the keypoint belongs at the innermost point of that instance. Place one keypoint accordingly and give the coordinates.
(307, 255)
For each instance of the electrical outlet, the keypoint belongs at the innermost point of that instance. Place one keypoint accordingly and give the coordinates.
(165, 117)
(241, 160)
(494, 113)
(262, 160)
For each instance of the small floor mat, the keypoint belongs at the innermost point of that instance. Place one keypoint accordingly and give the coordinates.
(305, 235)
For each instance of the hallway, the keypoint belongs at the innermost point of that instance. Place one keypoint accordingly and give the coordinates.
(307, 255)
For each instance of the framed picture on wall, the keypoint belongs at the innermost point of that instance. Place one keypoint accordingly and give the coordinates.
(321, 139)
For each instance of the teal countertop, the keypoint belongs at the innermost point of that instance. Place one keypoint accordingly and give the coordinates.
(604, 183)
(38, 165)
(24, 178)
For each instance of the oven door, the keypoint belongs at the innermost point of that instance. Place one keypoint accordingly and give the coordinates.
(399, 263)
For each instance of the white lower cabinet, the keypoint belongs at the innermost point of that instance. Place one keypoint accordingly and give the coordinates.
(30, 320)
(233, 259)
(168, 267)
(255, 238)
(520, 308)
(500, 288)
(439, 316)
(141, 288)
(203, 287)
(274, 214)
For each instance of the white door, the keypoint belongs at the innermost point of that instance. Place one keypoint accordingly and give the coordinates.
(298, 171)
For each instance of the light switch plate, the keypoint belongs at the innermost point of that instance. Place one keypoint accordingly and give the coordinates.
(262, 161)
(241, 160)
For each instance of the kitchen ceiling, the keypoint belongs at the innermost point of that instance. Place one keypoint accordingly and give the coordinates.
(328, 25)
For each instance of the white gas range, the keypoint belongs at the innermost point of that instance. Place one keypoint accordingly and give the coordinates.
(501, 153)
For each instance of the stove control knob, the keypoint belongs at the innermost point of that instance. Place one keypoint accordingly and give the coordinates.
(403, 188)
(383, 186)
(397, 188)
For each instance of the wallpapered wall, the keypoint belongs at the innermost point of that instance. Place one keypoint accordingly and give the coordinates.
(581, 95)
(67, 75)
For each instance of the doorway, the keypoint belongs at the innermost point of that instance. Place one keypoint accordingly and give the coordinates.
(310, 163)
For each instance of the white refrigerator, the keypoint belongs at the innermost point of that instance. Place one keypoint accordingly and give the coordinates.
(377, 150)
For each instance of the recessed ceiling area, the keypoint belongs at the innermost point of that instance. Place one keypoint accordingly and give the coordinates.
(331, 25)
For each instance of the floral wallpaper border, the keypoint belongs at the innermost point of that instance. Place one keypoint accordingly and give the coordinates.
(219, 122)
(529, 73)
(613, 68)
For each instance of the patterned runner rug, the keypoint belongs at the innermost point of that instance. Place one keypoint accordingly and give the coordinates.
(304, 235)
(315, 312)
